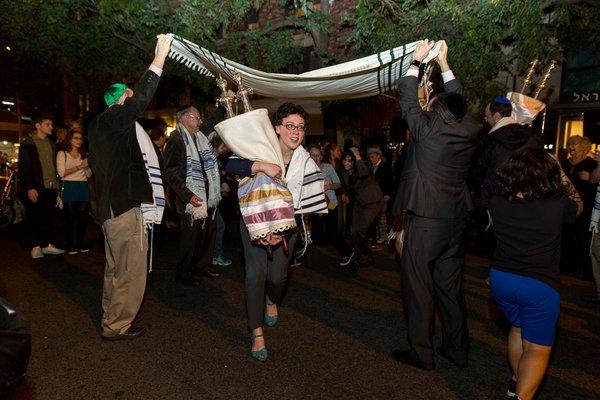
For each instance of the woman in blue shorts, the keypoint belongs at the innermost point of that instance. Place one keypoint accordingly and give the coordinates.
(532, 199)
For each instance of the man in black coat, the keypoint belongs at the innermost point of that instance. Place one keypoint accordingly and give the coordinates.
(197, 235)
(433, 191)
(122, 185)
(38, 186)
(504, 138)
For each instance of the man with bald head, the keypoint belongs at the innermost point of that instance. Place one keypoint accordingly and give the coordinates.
(192, 172)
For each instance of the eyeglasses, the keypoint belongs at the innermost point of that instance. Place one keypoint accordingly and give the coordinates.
(198, 117)
(293, 128)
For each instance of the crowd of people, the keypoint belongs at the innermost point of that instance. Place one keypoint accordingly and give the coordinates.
(342, 196)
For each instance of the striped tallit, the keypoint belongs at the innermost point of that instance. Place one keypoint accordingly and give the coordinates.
(365, 77)
(151, 213)
(266, 206)
(306, 182)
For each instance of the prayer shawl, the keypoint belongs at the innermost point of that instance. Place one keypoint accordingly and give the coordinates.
(266, 204)
(200, 162)
(151, 213)
(503, 122)
(596, 213)
(306, 182)
(365, 77)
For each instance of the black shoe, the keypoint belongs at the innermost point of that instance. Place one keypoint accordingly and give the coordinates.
(131, 333)
(511, 388)
(346, 260)
(405, 357)
(189, 281)
(211, 274)
(443, 352)
(590, 299)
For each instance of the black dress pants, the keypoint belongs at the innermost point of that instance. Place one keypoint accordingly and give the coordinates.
(432, 263)
(75, 216)
(196, 245)
(40, 215)
(262, 271)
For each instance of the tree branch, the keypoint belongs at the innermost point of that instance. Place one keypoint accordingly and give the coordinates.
(131, 42)
(551, 3)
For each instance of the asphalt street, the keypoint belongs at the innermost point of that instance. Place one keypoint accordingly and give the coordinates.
(333, 340)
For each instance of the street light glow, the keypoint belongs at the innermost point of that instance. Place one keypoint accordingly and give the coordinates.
(7, 48)
(8, 103)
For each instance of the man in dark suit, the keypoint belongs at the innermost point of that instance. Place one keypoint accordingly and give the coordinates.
(122, 185)
(197, 235)
(385, 180)
(433, 191)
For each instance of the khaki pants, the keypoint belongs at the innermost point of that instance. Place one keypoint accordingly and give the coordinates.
(126, 247)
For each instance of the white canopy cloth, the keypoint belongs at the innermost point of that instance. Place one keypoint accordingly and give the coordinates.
(365, 77)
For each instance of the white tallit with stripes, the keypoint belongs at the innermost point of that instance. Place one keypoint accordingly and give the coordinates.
(151, 213)
(306, 182)
(365, 77)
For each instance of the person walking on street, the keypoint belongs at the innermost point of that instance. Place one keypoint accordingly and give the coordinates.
(121, 156)
(192, 172)
(433, 191)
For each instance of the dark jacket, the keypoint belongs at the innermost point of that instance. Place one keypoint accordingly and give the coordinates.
(29, 167)
(385, 178)
(362, 184)
(176, 170)
(433, 183)
(115, 156)
(493, 149)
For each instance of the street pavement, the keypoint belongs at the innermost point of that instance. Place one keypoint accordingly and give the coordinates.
(333, 341)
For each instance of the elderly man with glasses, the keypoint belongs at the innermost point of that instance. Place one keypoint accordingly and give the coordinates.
(192, 172)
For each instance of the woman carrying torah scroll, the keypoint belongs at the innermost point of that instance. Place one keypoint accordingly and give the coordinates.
(305, 182)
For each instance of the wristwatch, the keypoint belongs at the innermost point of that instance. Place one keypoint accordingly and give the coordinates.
(416, 63)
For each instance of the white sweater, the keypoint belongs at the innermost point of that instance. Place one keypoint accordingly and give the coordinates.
(65, 161)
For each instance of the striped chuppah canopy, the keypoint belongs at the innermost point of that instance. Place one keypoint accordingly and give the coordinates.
(365, 77)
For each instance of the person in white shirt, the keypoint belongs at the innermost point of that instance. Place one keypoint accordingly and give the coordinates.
(72, 167)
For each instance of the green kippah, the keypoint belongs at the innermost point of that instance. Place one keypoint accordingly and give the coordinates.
(114, 92)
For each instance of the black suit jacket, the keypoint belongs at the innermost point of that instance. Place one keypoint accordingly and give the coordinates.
(433, 183)
(115, 156)
(29, 167)
(176, 170)
(385, 178)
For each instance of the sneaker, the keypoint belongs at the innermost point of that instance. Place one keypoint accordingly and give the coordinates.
(511, 389)
(36, 252)
(83, 250)
(591, 299)
(71, 252)
(222, 261)
(51, 249)
(346, 260)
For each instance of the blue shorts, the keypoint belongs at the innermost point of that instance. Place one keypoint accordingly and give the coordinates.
(528, 303)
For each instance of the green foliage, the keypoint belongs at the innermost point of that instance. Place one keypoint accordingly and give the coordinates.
(98, 40)
(484, 37)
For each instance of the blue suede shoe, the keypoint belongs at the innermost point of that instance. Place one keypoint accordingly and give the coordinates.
(261, 354)
(270, 320)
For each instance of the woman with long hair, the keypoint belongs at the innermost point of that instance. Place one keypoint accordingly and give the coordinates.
(72, 166)
(532, 199)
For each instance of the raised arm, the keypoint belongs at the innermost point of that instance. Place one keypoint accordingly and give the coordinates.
(137, 102)
(451, 84)
(412, 112)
